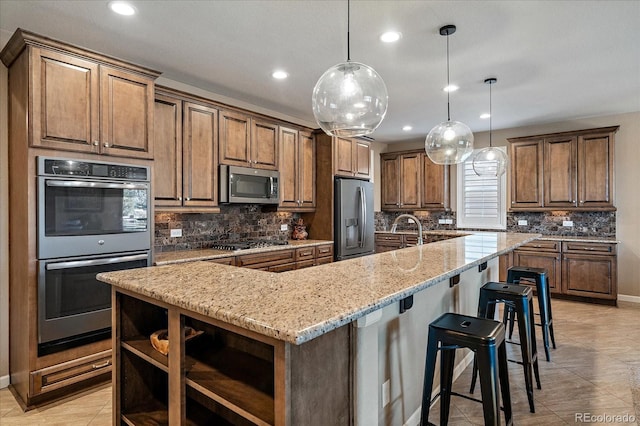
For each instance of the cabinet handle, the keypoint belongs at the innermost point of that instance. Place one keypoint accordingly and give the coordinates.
(188, 198)
(106, 145)
(581, 201)
(573, 201)
(179, 198)
(96, 143)
(98, 366)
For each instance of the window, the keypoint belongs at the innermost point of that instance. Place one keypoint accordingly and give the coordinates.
(481, 200)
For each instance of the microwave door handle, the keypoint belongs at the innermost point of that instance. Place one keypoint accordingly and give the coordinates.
(270, 186)
(363, 217)
(95, 262)
(107, 185)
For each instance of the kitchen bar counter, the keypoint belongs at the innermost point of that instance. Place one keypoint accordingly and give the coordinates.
(300, 305)
(181, 256)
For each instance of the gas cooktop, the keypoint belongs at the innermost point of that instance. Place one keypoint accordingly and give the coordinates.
(248, 244)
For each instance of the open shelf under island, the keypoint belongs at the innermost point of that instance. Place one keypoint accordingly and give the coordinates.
(310, 346)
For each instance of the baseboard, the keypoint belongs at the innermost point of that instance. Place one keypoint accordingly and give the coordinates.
(4, 381)
(626, 298)
(414, 419)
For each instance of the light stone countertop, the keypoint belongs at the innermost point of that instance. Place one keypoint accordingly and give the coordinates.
(180, 256)
(609, 240)
(459, 233)
(297, 306)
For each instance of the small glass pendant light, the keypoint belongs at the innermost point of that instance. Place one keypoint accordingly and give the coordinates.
(450, 142)
(490, 161)
(350, 99)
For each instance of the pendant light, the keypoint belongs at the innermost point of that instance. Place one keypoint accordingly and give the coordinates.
(450, 142)
(350, 99)
(490, 161)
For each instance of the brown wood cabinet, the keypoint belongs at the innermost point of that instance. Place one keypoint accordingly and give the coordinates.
(352, 158)
(84, 105)
(248, 141)
(583, 269)
(297, 170)
(568, 170)
(411, 181)
(387, 241)
(64, 101)
(282, 260)
(185, 168)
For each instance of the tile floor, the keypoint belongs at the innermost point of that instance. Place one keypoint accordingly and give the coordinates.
(594, 369)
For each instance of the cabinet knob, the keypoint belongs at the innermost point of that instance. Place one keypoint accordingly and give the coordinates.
(179, 198)
(96, 143)
(188, 198)
(106, 144)
(573, 201)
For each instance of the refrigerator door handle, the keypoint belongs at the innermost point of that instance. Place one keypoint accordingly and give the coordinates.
(363, 216)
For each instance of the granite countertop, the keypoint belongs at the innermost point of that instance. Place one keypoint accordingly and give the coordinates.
(449, 232)
(299, 305)
(171, 257)
(590, 239)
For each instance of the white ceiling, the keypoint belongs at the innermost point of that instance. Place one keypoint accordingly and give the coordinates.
(554, 60)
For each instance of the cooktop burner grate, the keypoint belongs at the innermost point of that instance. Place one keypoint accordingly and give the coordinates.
(248, 244)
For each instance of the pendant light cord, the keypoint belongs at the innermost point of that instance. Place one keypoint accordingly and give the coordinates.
(448, 84)
(348, 19)
(490, 116)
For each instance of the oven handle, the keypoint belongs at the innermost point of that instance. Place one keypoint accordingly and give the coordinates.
(95, 262)
(108, 185)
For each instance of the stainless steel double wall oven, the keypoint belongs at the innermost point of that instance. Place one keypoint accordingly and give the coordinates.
(92, 217)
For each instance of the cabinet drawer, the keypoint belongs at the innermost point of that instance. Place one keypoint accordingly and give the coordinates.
(305, 264)
(324, 251)
(282, 268)
(261, 260)
(541, 245)
(389, 238)
(305, 253)
(67, 373)
(590, 248)
(410, 240)
(231, 260)
(323, 260)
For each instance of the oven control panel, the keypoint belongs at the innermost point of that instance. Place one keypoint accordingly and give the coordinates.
(64, 167)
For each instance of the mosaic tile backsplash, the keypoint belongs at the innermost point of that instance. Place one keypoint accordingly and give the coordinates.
(203, 230)
(586, 224)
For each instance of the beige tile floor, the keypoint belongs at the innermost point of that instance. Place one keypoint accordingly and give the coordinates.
(593, 371)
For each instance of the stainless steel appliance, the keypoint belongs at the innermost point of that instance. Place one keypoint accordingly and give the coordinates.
(248, 186)
(353, 218)
(92, 217)
(91, 208)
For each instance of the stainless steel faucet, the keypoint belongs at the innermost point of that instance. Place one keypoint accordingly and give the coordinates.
(394, 227)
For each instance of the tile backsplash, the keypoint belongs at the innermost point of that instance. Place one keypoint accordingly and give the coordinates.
(203, 230)
(587, 224)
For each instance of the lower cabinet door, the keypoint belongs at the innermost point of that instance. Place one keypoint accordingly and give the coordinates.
(67, 373)
(590, 276)
(548, 261)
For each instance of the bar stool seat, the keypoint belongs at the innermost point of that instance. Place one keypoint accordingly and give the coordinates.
(515, 274)
(487, 339)
(520, 300)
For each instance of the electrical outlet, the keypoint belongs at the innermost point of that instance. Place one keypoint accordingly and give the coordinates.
(284, 227)
(386, 391)
(411, 221)
(568, 223)
(523, 223)
(176, 233)
(442, 221)
(448, 221)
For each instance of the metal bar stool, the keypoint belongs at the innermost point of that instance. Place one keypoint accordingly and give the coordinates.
(519, 299)
(487, 339)
(514, 275)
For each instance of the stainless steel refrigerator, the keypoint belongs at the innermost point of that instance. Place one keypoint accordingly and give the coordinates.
(353, 218)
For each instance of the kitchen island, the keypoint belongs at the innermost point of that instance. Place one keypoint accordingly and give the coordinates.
(308, 346)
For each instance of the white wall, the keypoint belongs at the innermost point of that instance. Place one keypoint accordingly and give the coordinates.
(627, 179)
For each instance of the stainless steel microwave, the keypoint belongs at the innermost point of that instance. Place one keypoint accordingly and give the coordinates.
(248, 186)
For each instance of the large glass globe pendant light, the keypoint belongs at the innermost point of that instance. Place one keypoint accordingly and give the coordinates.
(450, 142)
(350, 99)
(490, 161)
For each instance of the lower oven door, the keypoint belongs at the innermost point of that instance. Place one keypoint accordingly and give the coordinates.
(72, 303)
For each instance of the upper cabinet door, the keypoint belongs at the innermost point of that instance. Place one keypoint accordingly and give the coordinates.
(362, 159)
(200, 157)
(167, 176)
(66, 106)
(560, 171)
(435, 184)
(526, 174)
(264, 144)
(235, 139)
(390, 181)
(410, 181)
(595, 170)
(288, 168)
(343, 161)
(127, 113)
(307, 170)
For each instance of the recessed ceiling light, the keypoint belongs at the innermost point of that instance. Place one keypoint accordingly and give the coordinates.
(122, 8)
(390, 36)
(451, 88)
(280, 75)
(485, 115)
(407, 128)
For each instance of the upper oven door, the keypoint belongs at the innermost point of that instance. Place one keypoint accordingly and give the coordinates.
(83, 216)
